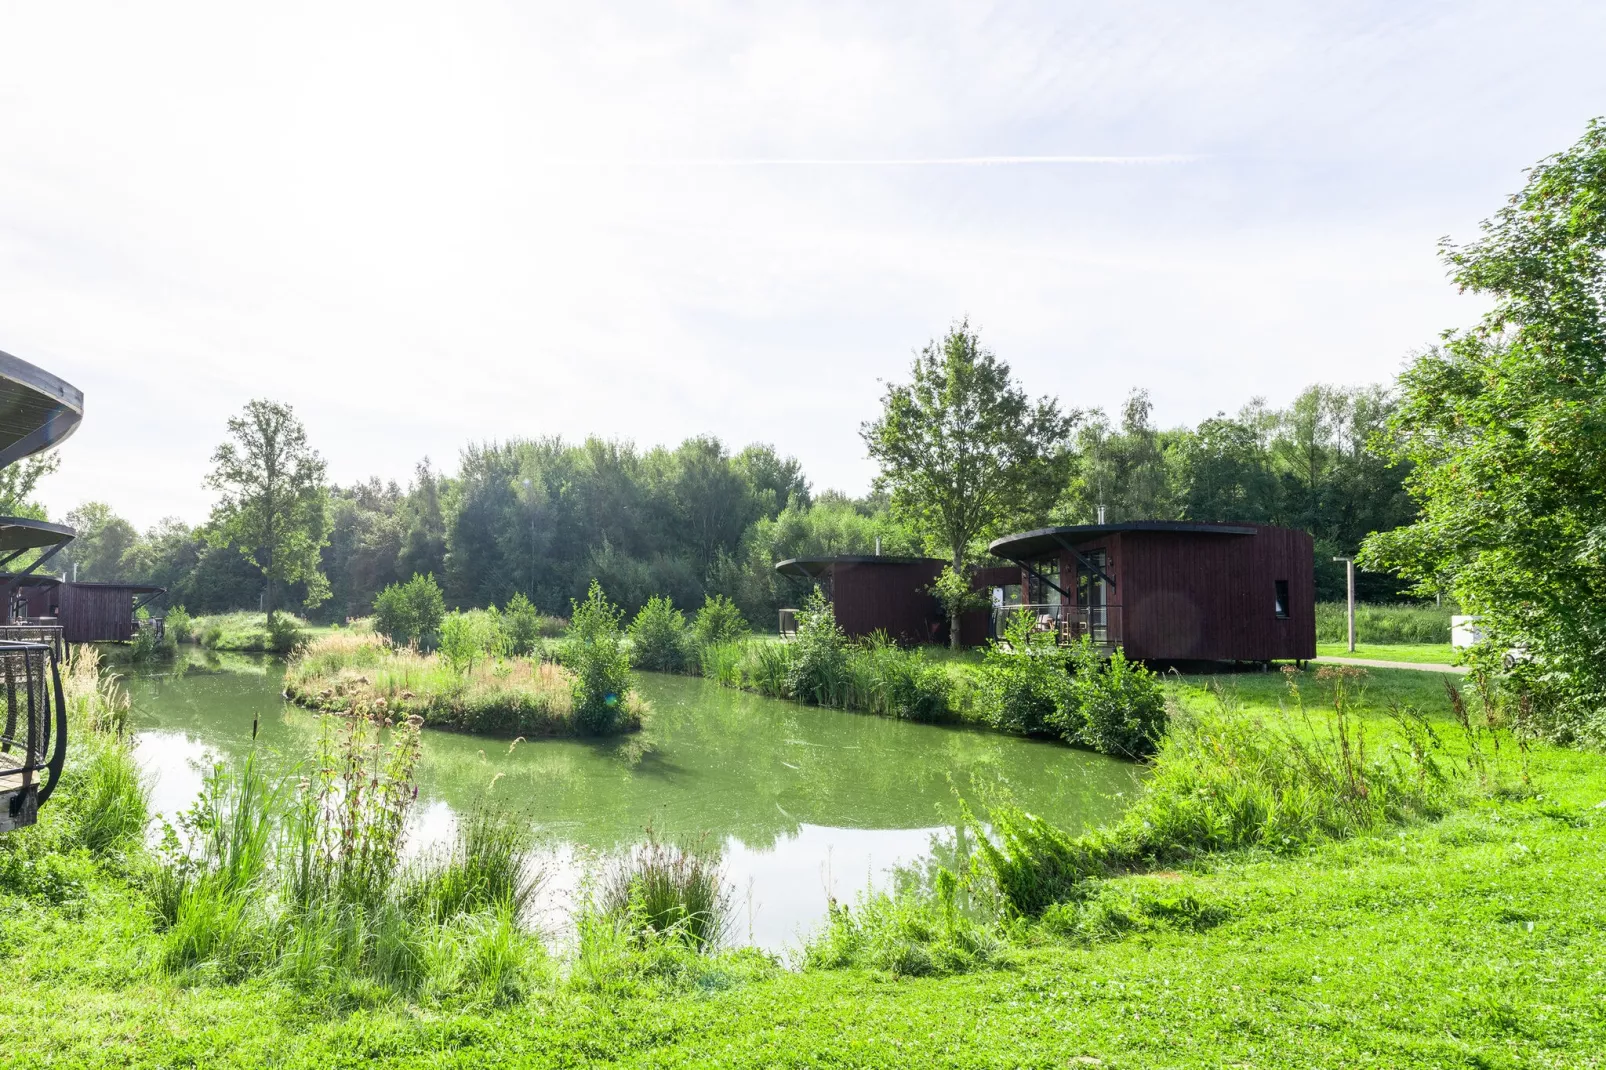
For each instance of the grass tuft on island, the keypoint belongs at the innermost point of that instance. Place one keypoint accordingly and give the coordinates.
(347, 672)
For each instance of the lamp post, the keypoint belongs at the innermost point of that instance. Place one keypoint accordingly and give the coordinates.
(1349, 578)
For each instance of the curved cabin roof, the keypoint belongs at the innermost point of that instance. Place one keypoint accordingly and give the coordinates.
(814, 566)
(37, 410)
(1044, 541)
(25, 533)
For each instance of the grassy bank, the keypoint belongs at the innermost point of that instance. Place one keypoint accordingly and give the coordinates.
(245, 632)
(1466, 932)
(352, 672)
(1419, 653)
(1383, 623)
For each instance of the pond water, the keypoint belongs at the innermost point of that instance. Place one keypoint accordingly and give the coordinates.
(807, 803)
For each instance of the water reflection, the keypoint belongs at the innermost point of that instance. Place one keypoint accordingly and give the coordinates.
(809, 803)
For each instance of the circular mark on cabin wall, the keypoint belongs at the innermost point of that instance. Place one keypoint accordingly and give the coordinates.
(1169, 621)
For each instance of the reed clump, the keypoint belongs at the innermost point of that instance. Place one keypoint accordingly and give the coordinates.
(302, 879)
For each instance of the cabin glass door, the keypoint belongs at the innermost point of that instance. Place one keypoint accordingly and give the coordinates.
(1093, 596)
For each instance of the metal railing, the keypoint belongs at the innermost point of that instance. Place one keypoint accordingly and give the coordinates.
(33, 745)
(45, 631)
(787, 624)
(1101, 624)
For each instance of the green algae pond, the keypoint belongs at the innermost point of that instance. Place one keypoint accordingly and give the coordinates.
(806, 803)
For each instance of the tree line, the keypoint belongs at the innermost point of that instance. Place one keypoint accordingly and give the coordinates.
(543, 517)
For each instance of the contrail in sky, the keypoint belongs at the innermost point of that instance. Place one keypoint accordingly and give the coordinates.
(895, 161)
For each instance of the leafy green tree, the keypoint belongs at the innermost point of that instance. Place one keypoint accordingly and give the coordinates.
(719, 621)
(1505, 426)
(103, 539)
(963, 451)
(595, 652)
(658, 637)
(522, 622)
(410, 612)
(273, 502)
(19, 481)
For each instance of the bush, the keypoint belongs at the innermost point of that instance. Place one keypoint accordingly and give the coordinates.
(719, 621)
(468, 637)
(595, 652)
(658, 637)
(180, 628)
(1025, 682)
(522, 624)
(410, 612)
(284, 633)
(1112, 705)
(818, 672)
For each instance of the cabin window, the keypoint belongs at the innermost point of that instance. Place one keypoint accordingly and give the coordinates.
(1011, 594)
(1040, 593)
(1282, 598)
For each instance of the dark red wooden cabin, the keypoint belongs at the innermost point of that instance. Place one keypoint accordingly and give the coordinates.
(1171, 591)
(877, 593)
(86, 612)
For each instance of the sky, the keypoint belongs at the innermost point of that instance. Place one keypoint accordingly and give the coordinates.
(426, 225)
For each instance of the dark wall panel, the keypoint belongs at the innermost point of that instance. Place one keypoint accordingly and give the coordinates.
(887, 597)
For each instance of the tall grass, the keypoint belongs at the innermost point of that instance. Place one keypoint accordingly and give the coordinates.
(673, 891)
(245, 631)
(303, 880)
(346, 672)
(1383, 623)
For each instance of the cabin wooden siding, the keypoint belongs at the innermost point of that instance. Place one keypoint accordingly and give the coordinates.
(96, 614)
(886, 597)
(1186, 596)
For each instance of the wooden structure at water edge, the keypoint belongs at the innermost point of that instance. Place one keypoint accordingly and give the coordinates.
(37, 411)
(86, 612)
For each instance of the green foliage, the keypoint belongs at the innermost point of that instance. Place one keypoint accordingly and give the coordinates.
(962, 450)
(469, 637)
(674, 891)
(145, 646)
(907, 935)
(249, 632)
(818, 669)
(895, 682)
(523, 624)
(596, 653)
(1112, 705)
(487, 868)
(179, 624)
(411, 612)
(272, 500)
(953, 591)
(1505, 427)
(719, 621)
(658, 637)
(1025, 680)
(1374, 623)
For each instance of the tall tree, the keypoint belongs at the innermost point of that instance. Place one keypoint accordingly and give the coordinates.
(963, 450)
(1505, 425)
(103, 539)
(273, 501)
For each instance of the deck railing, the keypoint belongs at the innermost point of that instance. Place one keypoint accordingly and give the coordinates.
(45, 631)
(1101, 624)
(33, 744)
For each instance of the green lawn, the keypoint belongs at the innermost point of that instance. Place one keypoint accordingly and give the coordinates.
(1421, 653)
(1478, 940)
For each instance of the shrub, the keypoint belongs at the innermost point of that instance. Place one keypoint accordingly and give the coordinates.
(719, 621)
(179, 625)
(410, 612)
(522, 623)
(467, 637)
(818, 672)
(658, 637)
(284, 633)
(595, 652)
(672, 890)
(1112, 705)
(1024, 680)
